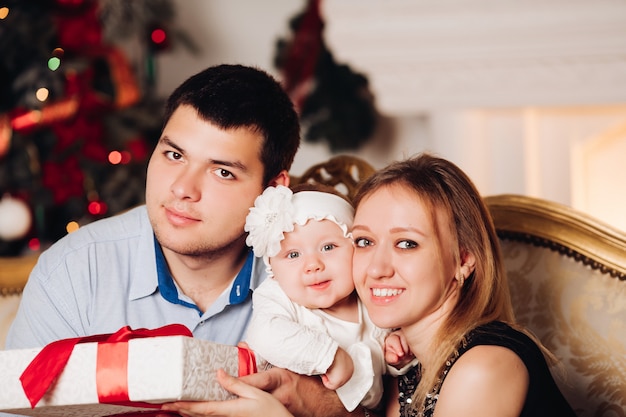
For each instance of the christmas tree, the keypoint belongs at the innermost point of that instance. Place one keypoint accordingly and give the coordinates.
(77, 115)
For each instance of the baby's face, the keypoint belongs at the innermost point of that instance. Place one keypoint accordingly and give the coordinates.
(314, 265)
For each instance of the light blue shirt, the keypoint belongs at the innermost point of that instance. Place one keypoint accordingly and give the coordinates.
(107, 275)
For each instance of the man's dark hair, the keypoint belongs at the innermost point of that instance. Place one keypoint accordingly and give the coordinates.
(233, 96)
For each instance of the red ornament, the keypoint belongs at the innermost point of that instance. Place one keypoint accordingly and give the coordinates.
(159, 39)
(97, 208)
(158, 36)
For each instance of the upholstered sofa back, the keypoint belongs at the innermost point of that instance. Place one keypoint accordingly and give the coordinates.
(567, 274)
(579, 314)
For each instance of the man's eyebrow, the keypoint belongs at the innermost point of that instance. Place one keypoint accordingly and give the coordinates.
(168, 142)
(233, 164)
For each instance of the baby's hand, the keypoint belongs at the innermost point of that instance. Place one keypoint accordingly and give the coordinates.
(340, 371)
(397, 351)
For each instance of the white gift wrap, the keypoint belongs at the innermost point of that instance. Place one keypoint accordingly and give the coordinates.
(160, 369)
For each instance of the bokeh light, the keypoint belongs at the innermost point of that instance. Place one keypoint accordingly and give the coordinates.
(4, 12)
(158, 36)
(115, 157)
(96, 208)
(42, 94)
(34, 244)
(72, 227)
(54, 63)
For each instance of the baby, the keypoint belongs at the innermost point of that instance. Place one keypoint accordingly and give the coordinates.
(307, 316)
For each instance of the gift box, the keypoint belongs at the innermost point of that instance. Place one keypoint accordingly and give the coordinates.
(109, 377)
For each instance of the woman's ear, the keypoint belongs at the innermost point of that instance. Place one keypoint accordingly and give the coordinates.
(468, 263)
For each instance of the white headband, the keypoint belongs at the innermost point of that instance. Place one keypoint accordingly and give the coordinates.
(277, 210)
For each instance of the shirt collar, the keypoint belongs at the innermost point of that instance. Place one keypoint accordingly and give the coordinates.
(239, 289)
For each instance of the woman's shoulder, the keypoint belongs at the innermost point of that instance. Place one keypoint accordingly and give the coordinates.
(497, 341)
(492, 346)
(493, 371)
(486, 359)
(488, 337)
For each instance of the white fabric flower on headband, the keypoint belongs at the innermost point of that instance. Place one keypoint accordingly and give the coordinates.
(266, 223)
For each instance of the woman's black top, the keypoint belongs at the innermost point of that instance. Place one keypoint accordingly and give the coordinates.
(544, 399)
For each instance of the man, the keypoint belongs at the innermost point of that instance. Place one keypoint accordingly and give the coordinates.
(229, 132)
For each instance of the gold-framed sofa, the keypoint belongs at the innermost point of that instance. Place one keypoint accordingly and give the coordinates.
(567, 274)
(566, 270)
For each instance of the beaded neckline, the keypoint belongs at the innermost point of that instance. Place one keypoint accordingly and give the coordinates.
(408, 382)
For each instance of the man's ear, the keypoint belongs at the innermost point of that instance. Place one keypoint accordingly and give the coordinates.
(281, 179)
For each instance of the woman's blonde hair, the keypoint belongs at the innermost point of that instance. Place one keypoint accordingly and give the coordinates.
(449, 194)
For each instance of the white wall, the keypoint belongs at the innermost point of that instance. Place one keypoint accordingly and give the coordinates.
(227, 31)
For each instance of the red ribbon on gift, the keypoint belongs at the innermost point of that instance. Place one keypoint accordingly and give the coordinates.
(247, 361)
(112, 363)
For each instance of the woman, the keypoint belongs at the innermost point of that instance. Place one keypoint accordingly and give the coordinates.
(427, 262)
